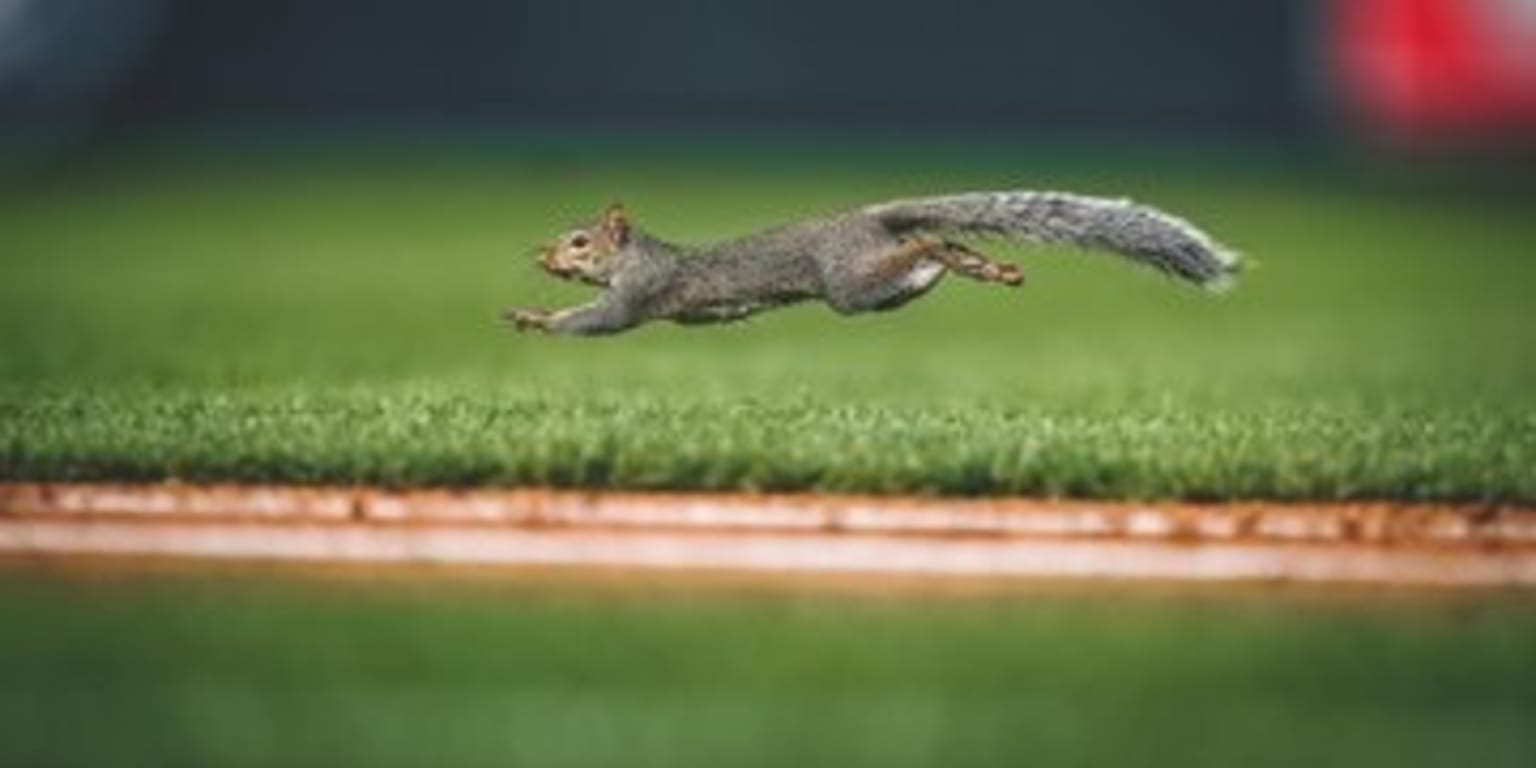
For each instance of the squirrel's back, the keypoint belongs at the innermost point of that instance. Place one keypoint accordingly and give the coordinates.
(777, 265)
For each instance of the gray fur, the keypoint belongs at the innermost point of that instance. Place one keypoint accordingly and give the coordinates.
(876, 258)
(1142, 233)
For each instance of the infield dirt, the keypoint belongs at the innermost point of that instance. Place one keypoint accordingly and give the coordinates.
(827, 535)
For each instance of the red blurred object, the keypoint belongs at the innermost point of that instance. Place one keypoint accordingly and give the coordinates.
(1438, 69)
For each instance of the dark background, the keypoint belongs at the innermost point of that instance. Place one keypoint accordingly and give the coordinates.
(1195, 69)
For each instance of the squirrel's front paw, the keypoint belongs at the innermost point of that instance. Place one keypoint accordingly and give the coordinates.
(527, 319)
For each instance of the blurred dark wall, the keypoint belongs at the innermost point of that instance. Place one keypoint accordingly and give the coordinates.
(1108, 67)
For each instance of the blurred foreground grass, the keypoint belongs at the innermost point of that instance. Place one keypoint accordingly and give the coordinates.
(231, 671)
(326, 314)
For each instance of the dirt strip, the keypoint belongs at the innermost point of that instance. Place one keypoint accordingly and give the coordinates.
(795, 534)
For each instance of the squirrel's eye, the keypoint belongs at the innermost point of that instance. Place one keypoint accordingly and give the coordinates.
(579, 241)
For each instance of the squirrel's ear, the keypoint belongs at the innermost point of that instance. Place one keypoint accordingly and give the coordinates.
(616, 224)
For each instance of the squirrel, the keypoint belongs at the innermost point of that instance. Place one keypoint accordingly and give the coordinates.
(875, 258)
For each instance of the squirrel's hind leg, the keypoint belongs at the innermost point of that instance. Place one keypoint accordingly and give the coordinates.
(916, 282)
(886, 279)
(976, 265)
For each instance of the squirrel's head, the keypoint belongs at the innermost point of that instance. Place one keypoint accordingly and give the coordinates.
(589, 254)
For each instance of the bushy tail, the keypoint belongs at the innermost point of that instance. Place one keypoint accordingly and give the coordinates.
(1141, 233)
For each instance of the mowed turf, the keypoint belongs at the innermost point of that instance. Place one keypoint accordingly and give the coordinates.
(327, 314)
(236, 672)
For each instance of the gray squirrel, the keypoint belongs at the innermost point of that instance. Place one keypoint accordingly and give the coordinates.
(871, 259)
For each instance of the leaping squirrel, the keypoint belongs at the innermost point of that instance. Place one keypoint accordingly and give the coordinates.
(871, 259)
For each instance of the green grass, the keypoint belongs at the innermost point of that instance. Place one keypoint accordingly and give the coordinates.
(325, 315)
(232, 672)
(320, 314)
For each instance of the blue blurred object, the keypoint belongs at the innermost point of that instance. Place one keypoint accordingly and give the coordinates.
(62, 65)
(1119, 68)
